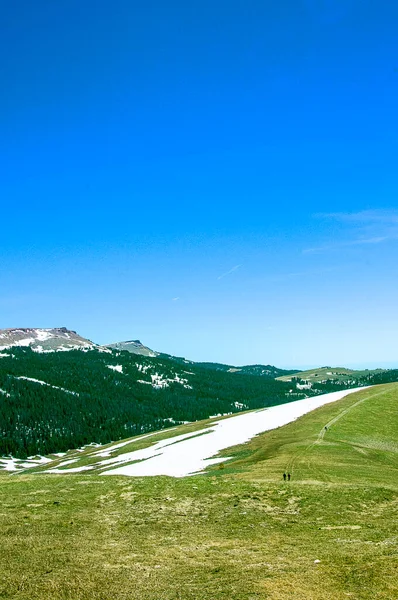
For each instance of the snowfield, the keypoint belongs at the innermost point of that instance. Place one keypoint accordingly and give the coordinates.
(191, 453)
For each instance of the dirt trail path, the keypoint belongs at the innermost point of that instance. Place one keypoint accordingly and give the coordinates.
(301, 454)
(341, 414)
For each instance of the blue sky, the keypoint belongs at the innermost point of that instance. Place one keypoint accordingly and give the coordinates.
(217, 179)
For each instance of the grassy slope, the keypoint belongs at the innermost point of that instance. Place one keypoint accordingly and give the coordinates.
(239, 533)
(323, 373)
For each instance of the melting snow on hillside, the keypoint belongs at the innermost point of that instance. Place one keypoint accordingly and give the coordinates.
(159, 381)
(16, 464)
(191, 453)
(185, 454)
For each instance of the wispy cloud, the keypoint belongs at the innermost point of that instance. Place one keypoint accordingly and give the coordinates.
(235, 268)
(176, 298)
(375, 216)
(309, 273)
(365, 227)
(337, 245)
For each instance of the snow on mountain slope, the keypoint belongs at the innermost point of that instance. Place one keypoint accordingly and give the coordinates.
(44, 340)
(159, 381)
(118, 368)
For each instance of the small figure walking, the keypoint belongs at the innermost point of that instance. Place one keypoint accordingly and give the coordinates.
(284, 476)
(288, 476)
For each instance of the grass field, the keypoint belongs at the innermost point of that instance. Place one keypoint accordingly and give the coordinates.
(238, 532)
(332, 373)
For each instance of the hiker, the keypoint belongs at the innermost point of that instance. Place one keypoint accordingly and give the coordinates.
(284, 476)
(288, 476)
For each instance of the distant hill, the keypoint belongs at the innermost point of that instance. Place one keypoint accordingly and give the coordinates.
(323, 374)
(268, 371)
(43, 340)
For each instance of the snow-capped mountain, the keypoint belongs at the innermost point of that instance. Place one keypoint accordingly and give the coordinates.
(43, 340)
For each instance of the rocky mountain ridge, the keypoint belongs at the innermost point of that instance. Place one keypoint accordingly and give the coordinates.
(133, 346)
(44, 340)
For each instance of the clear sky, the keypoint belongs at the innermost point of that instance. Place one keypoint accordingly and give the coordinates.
(215, 178)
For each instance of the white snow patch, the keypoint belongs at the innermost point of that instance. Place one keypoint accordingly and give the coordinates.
(220, 415)
(8, 464)
(108, 451)
(32, 379)
(191, 453)
(239, 405)
(25, 342)
(43, 334)
(152, 451)
(55, 387)
(39, 460)
(64, 463)
(159, 381)
(118, 368)
(16, 464)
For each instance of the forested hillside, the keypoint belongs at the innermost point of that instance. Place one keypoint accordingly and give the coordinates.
(51, 402)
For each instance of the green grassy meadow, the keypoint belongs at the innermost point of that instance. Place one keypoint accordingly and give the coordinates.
(238, 532)
(332, 373)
